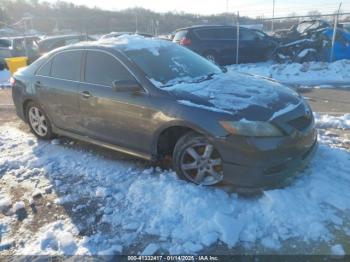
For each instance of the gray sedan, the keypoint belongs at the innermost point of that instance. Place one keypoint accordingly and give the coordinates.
(156, 100)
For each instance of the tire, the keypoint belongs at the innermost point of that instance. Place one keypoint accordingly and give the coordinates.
(38, 121)
(196, 160)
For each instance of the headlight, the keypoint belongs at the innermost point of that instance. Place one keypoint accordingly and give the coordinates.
(251, 128)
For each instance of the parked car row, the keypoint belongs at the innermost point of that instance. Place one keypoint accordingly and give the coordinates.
(306, 41)
(18, 46)
(33, 47)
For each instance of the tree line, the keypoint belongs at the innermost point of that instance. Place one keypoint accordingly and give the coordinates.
(46, 17)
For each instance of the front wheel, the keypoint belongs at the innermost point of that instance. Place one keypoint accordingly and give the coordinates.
(196, 160)
(38, 121)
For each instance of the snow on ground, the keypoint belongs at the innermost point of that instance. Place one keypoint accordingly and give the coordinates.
(319, 74)
(328, 121)
(4, 78)
(112, 206)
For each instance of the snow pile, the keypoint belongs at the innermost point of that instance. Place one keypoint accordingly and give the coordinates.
(328, 121)
(130, 203)
(137, 42)
(18, 205)
(307, 74)
(5, 202)
(5, 78)
(337, 250)
(57, 238)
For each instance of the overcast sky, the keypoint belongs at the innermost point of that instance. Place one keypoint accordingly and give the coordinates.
(251, 8)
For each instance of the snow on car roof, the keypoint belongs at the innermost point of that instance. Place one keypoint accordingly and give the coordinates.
(136, 42)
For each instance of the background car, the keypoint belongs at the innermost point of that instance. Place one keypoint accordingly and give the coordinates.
(301, 30)
(19, 46)
(219, 43)
(50, 43)
(316, 45)
(116, 34)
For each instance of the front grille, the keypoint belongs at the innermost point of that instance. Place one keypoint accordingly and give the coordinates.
(301, 123)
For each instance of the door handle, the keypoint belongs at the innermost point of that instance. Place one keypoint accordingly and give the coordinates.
(85, 94)
(38, 84)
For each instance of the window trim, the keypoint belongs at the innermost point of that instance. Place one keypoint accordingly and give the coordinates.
(82, 68)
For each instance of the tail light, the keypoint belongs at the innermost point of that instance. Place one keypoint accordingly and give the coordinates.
(12, 81)
(185, 41)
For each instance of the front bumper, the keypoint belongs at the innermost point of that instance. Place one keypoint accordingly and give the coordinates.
(263, 163)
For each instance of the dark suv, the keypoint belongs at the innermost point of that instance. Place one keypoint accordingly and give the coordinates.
(219, 43)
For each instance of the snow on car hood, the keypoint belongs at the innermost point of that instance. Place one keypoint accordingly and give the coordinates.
(233, 92)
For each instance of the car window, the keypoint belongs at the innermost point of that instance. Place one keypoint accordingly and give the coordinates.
(226, 33)
(5, 43)
(57, 43)
(247, 35)
(66, 65)
(102, 69)
(71, 41)
(45, 70)
(206, 33)
(304, 26)
(173, 64)
(217, 33)
(179, 35)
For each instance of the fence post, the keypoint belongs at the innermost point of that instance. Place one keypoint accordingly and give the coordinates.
(237, 47)
(273, 17)
(334, 33)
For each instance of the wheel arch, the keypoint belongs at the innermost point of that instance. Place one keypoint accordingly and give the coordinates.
(168, 135)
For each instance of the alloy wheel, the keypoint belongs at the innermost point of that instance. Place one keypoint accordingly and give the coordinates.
(202, 164)
(38, 121)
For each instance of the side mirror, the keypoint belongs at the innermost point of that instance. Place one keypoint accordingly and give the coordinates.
(126, 86)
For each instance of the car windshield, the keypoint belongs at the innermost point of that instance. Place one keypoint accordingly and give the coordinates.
(172, 65)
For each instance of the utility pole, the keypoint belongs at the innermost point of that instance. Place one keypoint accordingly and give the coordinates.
(273, 16)
(335, 32)
(237, 43)
(136, 23)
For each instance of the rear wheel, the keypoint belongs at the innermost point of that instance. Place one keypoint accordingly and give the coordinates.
(196, 160)
(38, 121)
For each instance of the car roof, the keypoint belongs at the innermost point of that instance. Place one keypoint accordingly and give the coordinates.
(204, 26)
(60, 37)
(19, 37)
(122, 43)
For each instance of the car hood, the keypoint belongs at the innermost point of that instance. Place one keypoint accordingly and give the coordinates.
(247, 96)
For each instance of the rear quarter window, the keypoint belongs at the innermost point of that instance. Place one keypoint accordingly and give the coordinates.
(66, 65)
(45, 70)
